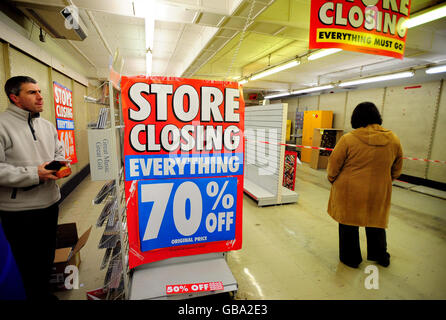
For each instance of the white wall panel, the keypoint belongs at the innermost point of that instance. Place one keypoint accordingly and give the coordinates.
(3, 99)
(409, 113)
(81, 115)
(308, 103)
(293, 105)
(437, 171)
(23, 65)
(336, 103)
(355, 97)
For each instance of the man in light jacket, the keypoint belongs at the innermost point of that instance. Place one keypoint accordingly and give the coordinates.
(29, 194)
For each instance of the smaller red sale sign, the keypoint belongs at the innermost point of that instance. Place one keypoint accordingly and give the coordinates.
(194, 287)
(63, 103)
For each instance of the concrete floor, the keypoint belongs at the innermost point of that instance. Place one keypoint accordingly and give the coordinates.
(291, 251)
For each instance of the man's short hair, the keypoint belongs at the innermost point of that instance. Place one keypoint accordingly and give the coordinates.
(12, 85)
(364, 114)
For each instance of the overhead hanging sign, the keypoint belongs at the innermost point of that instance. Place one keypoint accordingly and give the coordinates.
(368, 26)
(63, 102)
(183, 164)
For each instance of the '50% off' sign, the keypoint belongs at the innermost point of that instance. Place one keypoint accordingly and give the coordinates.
(195, 287)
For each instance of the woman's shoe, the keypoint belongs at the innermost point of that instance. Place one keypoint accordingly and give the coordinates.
(351, 264)
(383, 261)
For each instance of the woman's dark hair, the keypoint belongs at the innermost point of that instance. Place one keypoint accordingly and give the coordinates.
(364, 114)
(12, 85)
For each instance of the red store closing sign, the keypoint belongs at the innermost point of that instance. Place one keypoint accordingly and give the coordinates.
(63, 103)
(183, 161)
(368, 26)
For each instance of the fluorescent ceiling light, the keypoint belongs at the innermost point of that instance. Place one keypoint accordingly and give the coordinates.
(275, 70)
(243, 81)
(425, 16)
(313, 89)
(148, 10)
(323, 53)
(394, 76)
(437, 69)
(283, 94)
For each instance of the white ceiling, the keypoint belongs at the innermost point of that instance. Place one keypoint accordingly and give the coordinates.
(193, 34)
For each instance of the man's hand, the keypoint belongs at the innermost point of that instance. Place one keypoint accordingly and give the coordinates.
(45, 174)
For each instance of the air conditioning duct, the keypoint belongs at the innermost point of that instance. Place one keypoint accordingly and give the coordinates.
(59, 22)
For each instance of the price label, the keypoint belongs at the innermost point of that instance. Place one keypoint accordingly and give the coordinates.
(177, 212)
(194, 287)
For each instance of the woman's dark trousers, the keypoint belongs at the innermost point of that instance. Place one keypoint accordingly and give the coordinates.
(350, 251)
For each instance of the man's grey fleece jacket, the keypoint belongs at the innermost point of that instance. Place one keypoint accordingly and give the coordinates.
(25, 143)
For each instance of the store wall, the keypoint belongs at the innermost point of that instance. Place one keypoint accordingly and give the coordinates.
(335, 102)
(16, 21)
(19, 63)
(410, 114)
(436, 170)
(417, 115)
(3, 77)
(356, 97)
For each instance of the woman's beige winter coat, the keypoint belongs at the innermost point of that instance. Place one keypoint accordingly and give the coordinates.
(361, 169)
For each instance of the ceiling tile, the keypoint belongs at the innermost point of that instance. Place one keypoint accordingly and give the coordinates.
(210, 19)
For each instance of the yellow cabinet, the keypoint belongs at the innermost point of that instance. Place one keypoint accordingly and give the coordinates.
(312, 120)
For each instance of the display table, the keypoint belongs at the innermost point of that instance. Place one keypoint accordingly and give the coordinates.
(149, 281)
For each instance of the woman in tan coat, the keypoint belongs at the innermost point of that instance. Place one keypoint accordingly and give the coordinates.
(361, 169)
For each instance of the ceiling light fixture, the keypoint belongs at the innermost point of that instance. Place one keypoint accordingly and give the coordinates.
(425, 16)
(300, 91)
(276, 69)
(437, 69)
(323, 53)
(243, 81)
(279, 95)
(148, 10)
(394, 76)
(313, 89)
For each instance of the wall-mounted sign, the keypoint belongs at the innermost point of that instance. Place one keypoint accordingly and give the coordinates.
(63, 102)
(183, 161)
(369, 26)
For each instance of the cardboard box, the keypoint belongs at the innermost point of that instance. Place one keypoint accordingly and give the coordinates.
(319, 158)
(68, 247)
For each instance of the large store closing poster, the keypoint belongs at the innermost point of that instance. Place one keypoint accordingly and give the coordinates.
(63, 102)
(369, 26)
(183, 154)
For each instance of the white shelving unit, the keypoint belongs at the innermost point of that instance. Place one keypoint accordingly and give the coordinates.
(264, 162)
(148, 281)
(105, 148)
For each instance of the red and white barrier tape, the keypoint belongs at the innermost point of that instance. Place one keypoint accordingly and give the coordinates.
(329, 149)
(426, 160)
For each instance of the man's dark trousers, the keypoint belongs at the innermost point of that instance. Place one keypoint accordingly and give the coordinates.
(32, 237)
